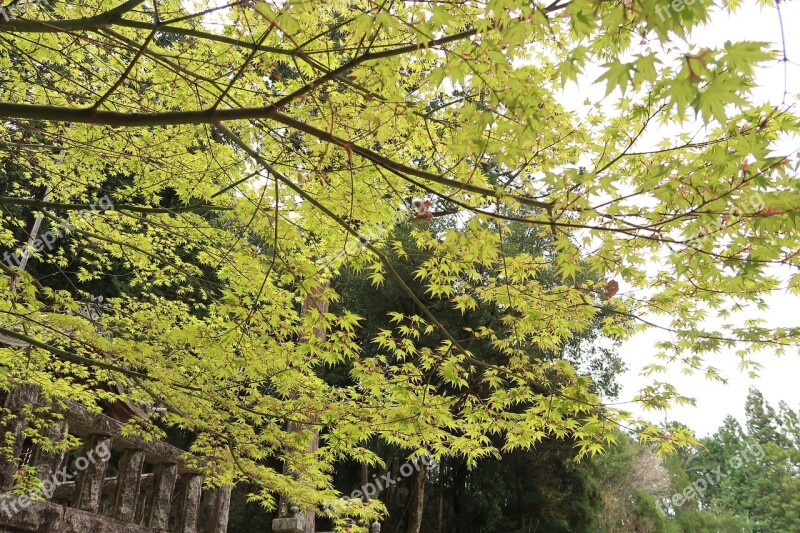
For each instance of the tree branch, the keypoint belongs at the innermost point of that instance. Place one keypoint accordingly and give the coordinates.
(209, 116)
(40, 204)
(70, 357)
(81, 24)
(370, 56)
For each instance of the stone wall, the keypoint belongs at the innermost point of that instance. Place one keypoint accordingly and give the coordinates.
(169, 497)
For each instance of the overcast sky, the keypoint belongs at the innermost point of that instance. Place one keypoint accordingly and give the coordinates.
(778, 379)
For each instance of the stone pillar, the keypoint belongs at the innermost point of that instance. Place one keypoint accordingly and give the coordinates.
(214, 507)
(11, 431)
(129, 477)
(157, 515)
(89, 482)
(188, 503)
(48, 463)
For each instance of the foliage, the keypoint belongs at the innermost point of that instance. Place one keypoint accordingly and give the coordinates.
(539, 488)
(253, 151)
(750, 481)
(765, 488)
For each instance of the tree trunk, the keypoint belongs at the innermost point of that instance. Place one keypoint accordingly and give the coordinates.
(459, 494)
(440, 510)
(312, 301)
(518, 490)
(416, 500)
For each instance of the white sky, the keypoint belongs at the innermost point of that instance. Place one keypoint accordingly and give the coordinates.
(779, 376)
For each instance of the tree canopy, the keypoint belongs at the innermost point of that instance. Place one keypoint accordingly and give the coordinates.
(207, 168)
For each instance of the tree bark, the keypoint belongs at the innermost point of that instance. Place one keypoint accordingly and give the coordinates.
(416, 500)
(312, 301)
(440, 511)
(459, 492)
